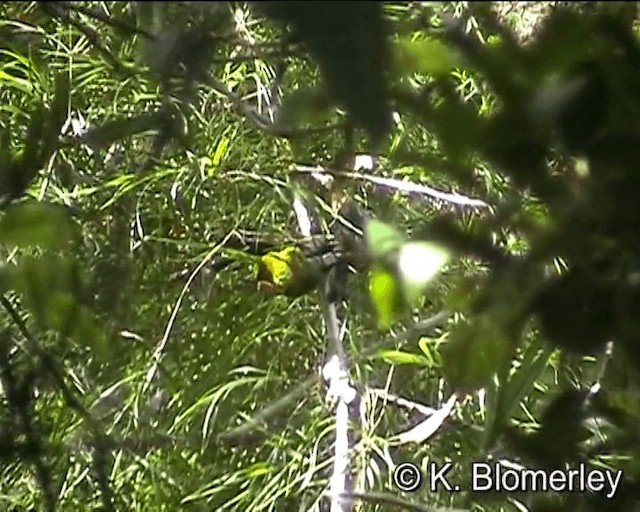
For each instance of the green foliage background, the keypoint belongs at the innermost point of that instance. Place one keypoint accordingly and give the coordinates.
(137, 139)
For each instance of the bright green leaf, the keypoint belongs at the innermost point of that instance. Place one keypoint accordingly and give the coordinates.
(382, 239)
(400, 357)
(19, 83)
(424, 344)
(258, 470)
(385, 297)
(221, 151)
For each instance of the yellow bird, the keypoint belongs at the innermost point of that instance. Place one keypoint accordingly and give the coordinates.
(289, 272)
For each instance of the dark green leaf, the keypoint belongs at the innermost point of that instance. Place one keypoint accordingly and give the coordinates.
(348, 40)
(33, 223)
(474, 353)
(576, 313)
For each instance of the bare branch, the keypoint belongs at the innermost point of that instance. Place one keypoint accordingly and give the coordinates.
(335, 372)
(402, 186)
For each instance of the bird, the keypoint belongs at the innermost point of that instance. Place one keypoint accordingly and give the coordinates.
(291, 272)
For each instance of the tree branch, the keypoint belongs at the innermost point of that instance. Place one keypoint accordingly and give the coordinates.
(400, 185)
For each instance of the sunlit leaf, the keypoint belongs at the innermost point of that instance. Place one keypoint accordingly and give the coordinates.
(419, 263)
(12, 81)
(424, 344)
(218, 155)
(385, 296)
(400, 357)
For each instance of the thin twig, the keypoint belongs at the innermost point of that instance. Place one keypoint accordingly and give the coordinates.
(401, 402)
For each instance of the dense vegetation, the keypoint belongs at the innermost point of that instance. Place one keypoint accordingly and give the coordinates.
(256, 256)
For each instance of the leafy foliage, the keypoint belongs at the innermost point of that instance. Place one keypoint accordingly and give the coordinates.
(155, 157)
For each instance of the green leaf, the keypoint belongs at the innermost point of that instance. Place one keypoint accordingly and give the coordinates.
(400, 357)
(475, 352)
(349, 42)
(33, 223)
(424, 344)
(382, 239)
(51, 288)
(221, 151)
(21, 84)
(428, 56)
(418, 264)
(385, 296)
(305, 106)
